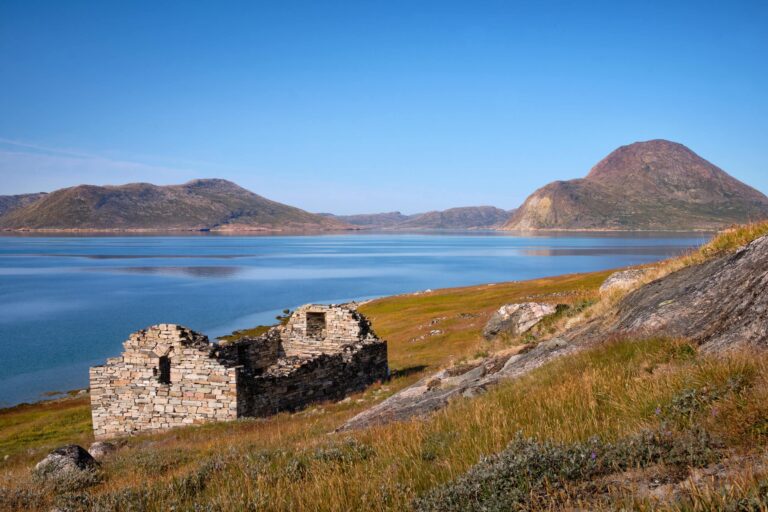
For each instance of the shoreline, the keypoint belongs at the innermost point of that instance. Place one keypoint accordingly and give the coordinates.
(350, 231)
(170, 230)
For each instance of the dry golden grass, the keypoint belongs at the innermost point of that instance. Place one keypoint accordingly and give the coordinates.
(290, 463)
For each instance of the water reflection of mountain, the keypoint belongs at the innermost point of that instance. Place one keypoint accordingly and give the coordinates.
(201, 271)
(659, 250)
(155, 256)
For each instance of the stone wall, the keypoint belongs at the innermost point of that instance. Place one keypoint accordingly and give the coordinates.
(296, 382)
(343, 326)
(127, 394)
(254, 354)
(171, 376)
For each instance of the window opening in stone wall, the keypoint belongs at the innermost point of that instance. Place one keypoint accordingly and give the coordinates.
(242, 354)
(164, 370)
(316, 325)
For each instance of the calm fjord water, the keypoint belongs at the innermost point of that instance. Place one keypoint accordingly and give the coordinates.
(69, 302)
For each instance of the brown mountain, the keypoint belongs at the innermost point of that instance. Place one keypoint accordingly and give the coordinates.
(654, 185)
(10, 203)
(210, 204)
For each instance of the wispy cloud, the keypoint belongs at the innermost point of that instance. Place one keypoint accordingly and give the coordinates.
(26, 167)
(134, 159)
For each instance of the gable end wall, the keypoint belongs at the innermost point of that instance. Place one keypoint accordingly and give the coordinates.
(127, 397)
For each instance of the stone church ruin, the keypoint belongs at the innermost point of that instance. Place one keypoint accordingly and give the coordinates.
(170, 376)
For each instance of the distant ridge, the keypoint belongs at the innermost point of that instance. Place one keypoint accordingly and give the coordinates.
(468, 217)
(372, 220)
(204, 204)
(653, 185)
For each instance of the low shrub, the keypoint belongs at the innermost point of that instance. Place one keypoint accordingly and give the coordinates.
(346, 452)
(530, 473)
(684, 407)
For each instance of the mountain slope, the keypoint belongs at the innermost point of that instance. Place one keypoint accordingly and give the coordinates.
(10, 203)
(644, 186)
(199, 204)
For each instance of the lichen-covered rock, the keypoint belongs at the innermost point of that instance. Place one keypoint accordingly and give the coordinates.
(516, 319)
(553, 344)
(67, 459)
(101, 449)
(622, 280)
(720, 304)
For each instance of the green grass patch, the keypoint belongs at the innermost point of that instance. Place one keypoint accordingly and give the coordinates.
(44, 425)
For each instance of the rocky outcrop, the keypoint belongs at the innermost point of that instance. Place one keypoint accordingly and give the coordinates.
(622, 280)
(67, 459)
(721, 304)
(516, 319)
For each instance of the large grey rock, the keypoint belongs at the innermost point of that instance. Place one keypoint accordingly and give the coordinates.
(622, 280)
(516, 319)
(720, 304)
(67, 459)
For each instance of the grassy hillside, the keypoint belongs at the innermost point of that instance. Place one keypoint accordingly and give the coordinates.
(616, 426)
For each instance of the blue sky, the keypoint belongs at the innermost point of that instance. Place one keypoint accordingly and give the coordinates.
(360, 106)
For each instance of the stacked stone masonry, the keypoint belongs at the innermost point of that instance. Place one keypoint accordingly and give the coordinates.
(170, 376)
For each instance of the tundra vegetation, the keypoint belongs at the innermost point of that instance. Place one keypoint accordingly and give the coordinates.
(632, 423)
